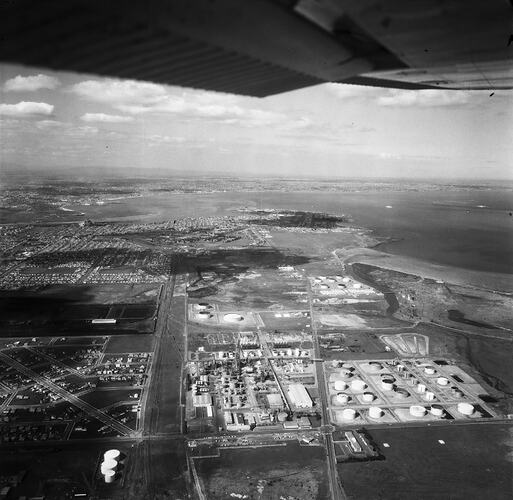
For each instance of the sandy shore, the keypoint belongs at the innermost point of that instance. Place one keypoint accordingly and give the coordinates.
(494, 282)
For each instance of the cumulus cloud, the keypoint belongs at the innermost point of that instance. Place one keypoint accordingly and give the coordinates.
(31, 83)
(137, 98)
(424, 98)
(105, 118)
(26, 109)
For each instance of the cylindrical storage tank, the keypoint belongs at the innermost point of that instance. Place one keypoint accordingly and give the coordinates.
(375, 367)
(402, 393)
(429, 370)
(112, 454)
(203, 315)
(348, 366)
(387, 384)
(400, 368)
(110, 476)
(202, 306)
(109, 464)
(412, 381)
(323, 286)
(368, 397)
(429, 396)
(342, 398)
(344, 372)
(437, 411)
(233, 317)
(456, 392)
(421, 388)
(358, 385)
(348, 414)
(417, 411)
(376, 412)
(282, 416)
(466, 409)
(340, 385)
(443, 381)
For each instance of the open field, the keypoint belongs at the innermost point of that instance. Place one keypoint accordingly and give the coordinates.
(130, 343)
(56, 471)
(474, 462)
(70, 309)
(265, 473)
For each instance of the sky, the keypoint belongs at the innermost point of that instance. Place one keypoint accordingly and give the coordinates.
(78, 121)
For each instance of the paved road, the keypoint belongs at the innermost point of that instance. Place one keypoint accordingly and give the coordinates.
(337, 493)
(71, 398)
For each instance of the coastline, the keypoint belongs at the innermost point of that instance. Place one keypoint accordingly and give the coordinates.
(491, 282)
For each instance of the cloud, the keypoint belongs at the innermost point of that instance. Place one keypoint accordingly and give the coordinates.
(400, 97)
(105, 118)
(50, 125)
(26, 109)
(85, 131)
(424, 98)
(348, 91)
(31, 83)
(162, 139)
(138, 98)
(66, 129)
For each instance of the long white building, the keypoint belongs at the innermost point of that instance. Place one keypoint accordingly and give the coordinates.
(299, 396)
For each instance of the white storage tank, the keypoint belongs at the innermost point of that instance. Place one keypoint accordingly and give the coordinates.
(429, 396)
(342, 398)
(358, 385)
(110, 476)
(233, 318)
(417, 411)
(375, 367)
(368, 397)
(108, 464)
(402, 393)
(437, 410)
(376, 412)
(421, 388)
(443, 381)
(466, 408)
(112, 454)
(340, 385)
(282, 416)
(387, 384)
(429, 370)
(348, 414)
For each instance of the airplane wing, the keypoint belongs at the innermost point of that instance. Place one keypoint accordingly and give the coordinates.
(264, 47)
